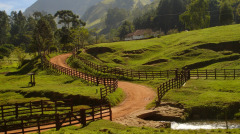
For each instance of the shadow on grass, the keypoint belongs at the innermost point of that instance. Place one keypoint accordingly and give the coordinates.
(27, 67)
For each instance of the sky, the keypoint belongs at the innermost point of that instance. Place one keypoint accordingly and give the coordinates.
(15, 5)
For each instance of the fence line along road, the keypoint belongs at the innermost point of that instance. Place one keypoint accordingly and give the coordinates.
(215, 73)
(37, 122)
(120, 72)
(111, 84)
(176, 82)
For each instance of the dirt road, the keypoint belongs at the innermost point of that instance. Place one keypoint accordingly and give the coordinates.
(137, 96)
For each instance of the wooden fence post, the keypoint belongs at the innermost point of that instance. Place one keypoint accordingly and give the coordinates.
(16, 110)
(83, 117)
(30, 105)
(101, 111)
(93, 113)
(57, 121)
(2, 112)
(234, 72)
(22, 125)
(215, 73)
(42, 106)
(38, 124)
(224, 74)
(206, 74)
(55, 107)
(5, 126)
(110, 111)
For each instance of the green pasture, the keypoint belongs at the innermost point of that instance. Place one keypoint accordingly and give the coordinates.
(171, 51)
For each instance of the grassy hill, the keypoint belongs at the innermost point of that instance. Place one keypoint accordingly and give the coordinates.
(212, 47)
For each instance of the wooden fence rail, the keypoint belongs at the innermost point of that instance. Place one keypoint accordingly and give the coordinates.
(109, 83)
(115, 71)
(37, 123)
(34, 107)
(215, 73)
(176, 82)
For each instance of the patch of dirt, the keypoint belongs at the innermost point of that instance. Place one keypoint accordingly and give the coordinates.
(156, 62)
(156, 118)
(233, 46)
(140, 51)
(99, 50)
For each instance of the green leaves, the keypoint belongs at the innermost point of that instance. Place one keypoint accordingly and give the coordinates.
(196, 16)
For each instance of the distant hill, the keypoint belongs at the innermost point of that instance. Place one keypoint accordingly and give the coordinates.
(52, 6)
(96, 14)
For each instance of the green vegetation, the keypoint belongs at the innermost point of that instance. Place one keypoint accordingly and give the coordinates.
(103, 127)
(207, 98)
(172, 51)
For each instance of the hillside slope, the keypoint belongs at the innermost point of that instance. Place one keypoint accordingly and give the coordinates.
(95, 15)
(212, 47)
(52, 6)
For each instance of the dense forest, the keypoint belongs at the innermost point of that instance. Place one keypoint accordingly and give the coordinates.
(40, 32)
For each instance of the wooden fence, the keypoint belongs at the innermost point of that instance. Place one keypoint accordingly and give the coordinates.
(215, 73)
(129, 73)
(39, 122)
(109, 83)
(31, 108)
(176, 82)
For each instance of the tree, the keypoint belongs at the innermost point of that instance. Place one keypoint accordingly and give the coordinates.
(214, 14)
(80, 35)
(43, 35)
(168, 13)
(18, 27)
(226, 13)
(4, 27)
(20, 54)
(125, 29)
(67, 17)
(196, 16)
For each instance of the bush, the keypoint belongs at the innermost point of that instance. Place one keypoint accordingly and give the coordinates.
(172, 31)
(4, 51)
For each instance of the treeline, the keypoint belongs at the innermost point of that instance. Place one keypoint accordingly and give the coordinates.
(39, 33)
(178, 15)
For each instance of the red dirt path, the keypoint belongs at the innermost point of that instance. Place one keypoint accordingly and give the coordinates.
(137, 96)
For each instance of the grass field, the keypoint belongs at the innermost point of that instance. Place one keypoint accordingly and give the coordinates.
(103, 127)
(173, 51)
(208, 98)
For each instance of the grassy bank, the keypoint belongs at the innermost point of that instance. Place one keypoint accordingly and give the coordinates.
(208, 98)
(103, 127)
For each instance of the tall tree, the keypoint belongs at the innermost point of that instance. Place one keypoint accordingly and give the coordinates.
(80, 35)
(126, 28)
(18, 27)
(226, 13)
(68, 18)
(168, 13)
(4, 27)
(43, 35)
(197, 15)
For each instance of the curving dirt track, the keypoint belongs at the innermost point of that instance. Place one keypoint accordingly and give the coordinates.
(137, 96)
